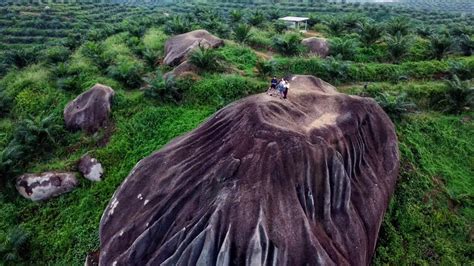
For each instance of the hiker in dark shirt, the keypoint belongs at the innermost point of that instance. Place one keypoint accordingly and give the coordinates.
(273, 83)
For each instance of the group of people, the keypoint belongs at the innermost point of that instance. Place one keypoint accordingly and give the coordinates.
(279, 86)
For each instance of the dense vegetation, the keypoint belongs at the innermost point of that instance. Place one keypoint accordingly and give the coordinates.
(417, 65)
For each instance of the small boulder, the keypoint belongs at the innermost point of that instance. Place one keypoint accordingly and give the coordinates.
(317, 46)
(177, 48)
(90, 110)
(183, 69)
(46, 185)
(90, 168)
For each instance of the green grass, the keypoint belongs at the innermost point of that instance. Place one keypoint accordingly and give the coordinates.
(429, 220)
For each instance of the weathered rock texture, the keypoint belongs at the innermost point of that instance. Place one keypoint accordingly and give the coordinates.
(90, 110)
(264, 181)
(177, 48)
(182, 70)
(46, 185)
(317, 46)
(90, 168)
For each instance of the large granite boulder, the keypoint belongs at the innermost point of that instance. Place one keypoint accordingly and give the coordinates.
(90, 168)
(264, 181)
(46, 185)
(177, 48)
(89, 111)
(317, 46)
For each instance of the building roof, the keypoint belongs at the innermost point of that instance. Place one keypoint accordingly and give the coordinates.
(294, 19)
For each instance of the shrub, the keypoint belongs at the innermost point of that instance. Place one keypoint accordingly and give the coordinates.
(242, 33)
(288, 44)
(14, 249)
(466, 44)
(370, 32)
(153, 45)
(127, 71)
(398, 46)
(56, 54)
(440, 45)
(256, 18)
(177, 25)
(398, 25)
(20, 58)
(236, 16)
(395, 105)
(206, 59)
(265, 68)
(345, 48)
(458, 97)
(6, 103)
(280, 26)
(260, 40)
(163, 89)
(335, 26)
(95, 52)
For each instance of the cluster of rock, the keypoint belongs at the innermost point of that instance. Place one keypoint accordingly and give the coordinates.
(90, 111)
(179, 47)
(304, 181)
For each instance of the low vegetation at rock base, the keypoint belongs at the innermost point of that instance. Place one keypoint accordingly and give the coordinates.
(417, 65)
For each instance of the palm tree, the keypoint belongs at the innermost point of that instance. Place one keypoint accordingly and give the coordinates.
(289, 44)
(177, 25)
(236, 16)
(395, 105)
(256, 18)
(335, 26)
(370, 33)
(398, 46)
(162, 89)
(466, 44)
(206, 59)
(440, 45)
(398, 24)
(14, 246)
(458, 97)
(343, 47)
(242, 32)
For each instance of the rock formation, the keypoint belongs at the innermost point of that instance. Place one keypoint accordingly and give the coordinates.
(183, 69)
(177, 48)
(90, 168)
(317, 46)
(264, 181)
(90, 110)
(46, 185)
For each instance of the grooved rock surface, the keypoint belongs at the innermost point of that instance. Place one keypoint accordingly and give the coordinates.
(46, 185)
(90, 110)
(264, 181)
(317, 46)
(177, 48)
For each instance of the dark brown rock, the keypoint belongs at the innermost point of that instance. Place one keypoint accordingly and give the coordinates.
(317, 46)
(177, 48)
(264, 181)
(182, 70)
(90, 110)
(46, 185)
(90, 168)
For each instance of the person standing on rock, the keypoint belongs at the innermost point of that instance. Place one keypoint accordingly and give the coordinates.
(285, 89)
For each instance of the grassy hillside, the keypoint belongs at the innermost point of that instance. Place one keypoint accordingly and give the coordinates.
(429, 220)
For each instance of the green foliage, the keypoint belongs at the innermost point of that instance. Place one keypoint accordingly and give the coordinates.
(260, 40)
(153, 45)
(343, 47)
(288, 44)
(242, 32)
(466, 44)
(177, 25)
(239, 56)
(335, 26)
(166, 90)
(370, 32)
(265, 68)
(20, 58)
(440, 45)
(398, 25)
(398, 46)
(279, 26)
(395, 105)
(5, 103)
(256, 18)
(55, 54)
(14, 248)
(458, 97)
(128, 72)
(236, 16)
(206, 59)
